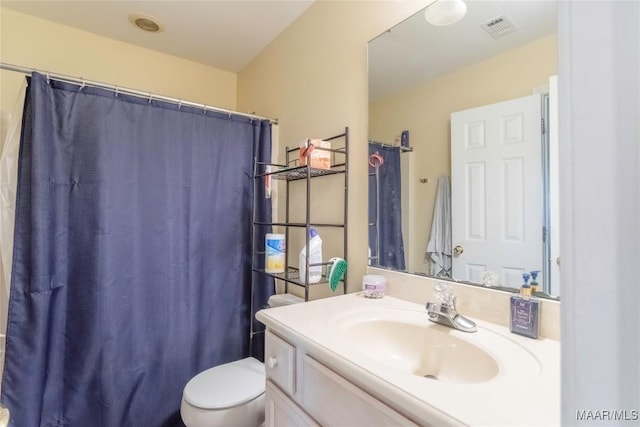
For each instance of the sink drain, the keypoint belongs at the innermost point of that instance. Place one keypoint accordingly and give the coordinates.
(431, 377)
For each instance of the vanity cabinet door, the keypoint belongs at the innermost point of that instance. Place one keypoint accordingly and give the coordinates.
(334, 401)
(280, 362)
(282, 411)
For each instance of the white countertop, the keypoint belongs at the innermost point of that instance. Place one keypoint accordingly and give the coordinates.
(515, 397)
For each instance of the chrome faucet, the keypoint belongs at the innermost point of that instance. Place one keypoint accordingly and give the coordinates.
(445, 313)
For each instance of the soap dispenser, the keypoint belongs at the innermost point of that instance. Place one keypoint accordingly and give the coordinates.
(534, 281)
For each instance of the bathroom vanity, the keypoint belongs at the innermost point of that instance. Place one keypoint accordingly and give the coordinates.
(301, 390)
(349, 360)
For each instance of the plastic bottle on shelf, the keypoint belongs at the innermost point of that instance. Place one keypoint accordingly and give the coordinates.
(315, 257)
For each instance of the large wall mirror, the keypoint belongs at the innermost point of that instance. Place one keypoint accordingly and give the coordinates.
(462, 146)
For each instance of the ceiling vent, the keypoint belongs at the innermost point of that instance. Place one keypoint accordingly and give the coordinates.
(499, 26)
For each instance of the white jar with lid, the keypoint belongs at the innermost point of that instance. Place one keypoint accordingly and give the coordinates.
(374, 285)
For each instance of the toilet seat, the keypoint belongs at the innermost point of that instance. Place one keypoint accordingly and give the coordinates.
(228, 385)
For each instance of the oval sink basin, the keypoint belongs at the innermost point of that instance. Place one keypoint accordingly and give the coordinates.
(429, 351)
(407, 341)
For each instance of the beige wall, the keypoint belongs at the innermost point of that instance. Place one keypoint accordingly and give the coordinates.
(44, 45)
(425, 111)
(36, 43)
(313, 78)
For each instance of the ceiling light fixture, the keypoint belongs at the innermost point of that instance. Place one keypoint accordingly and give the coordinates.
(445, 12)
(146, 22)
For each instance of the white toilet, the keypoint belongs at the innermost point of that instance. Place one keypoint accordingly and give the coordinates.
(231, 394)
(227, 395)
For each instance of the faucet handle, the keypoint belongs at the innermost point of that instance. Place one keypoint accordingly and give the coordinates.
(444, 295)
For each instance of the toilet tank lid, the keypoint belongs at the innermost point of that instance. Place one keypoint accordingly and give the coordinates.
(225, 386)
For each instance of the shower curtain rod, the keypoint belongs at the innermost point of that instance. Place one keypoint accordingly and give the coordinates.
(127, 91)
(386, 144)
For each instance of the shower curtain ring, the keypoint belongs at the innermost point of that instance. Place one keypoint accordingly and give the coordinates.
(117, 91)
(83, 84)
(179, 104)
(48, 77)
(150, 97)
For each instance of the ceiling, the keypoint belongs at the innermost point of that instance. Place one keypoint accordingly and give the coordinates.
(229, 34)
(415, 51)
(224, 34)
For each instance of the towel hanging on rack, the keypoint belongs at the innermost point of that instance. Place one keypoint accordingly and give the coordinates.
(438, 254)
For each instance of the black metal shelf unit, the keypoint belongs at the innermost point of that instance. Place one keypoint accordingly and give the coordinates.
(292, 171)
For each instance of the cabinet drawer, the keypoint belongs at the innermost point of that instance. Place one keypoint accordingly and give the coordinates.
(333, 401)
(279, 362)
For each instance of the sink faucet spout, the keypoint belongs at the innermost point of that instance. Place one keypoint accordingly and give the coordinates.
(445, 312)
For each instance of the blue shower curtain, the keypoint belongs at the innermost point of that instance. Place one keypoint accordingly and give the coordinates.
(388, 199)
(132, 255)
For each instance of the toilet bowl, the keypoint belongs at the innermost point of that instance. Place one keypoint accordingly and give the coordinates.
(231, 394)
(226, 395)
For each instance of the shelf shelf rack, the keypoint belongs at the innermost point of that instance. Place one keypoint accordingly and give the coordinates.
(289, 172)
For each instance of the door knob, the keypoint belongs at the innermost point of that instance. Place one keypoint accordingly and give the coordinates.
(458, 250)
(272, 362)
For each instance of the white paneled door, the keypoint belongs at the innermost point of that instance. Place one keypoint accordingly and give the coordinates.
(497, 190)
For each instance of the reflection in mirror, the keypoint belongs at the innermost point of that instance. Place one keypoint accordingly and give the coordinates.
(475, 199)
(385, 206)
